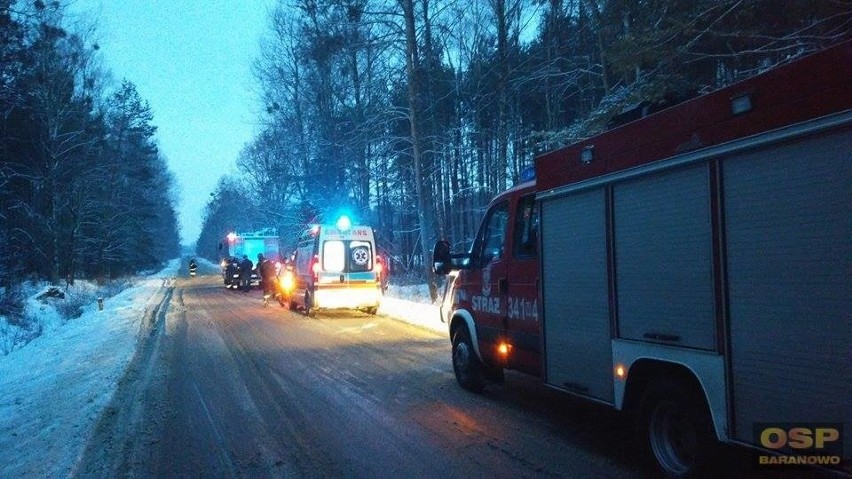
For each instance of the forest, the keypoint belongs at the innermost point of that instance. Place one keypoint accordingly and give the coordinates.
(407, 114)
(413, 113)
(84, 191)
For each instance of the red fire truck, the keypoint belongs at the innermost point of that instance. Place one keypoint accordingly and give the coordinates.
(692, 267)
(249, 244)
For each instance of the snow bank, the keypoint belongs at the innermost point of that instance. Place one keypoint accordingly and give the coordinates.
(52, 390)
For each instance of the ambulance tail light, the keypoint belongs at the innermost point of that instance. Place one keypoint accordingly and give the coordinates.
(315, 268)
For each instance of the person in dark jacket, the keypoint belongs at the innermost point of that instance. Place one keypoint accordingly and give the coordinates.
(231, 268)
(245, 273)
(266, 271)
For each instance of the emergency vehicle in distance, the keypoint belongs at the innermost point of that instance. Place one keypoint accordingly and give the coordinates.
(235, 245)
(333, 267)
(691, 267)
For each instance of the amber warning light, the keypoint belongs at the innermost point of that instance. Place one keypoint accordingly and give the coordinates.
(287, 281)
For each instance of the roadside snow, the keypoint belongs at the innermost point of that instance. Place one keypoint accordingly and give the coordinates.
(412, 305)
(54, 389)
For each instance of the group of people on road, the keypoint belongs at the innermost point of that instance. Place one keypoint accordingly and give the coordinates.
(242, 270)
(238, 273)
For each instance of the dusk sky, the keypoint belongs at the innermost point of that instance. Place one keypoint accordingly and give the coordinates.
(191, 60)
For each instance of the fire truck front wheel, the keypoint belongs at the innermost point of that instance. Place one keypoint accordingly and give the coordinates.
(675, 429)
(466, 366)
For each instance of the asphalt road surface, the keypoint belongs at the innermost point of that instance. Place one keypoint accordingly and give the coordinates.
(223, 387)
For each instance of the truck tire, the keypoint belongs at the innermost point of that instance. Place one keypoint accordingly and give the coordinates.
(675, 430)
(466, 365)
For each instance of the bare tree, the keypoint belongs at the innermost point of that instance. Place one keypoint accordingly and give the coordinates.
(424, 200)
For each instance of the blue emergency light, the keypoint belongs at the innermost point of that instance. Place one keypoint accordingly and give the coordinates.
(528, 174)
(344, 223)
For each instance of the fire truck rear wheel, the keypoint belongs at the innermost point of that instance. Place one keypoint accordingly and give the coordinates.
(675, 429)
(466, 365)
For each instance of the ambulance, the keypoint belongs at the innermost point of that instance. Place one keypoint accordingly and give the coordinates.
(334, 266)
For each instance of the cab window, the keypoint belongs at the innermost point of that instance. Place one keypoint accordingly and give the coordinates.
(493, 238)
(525, 241)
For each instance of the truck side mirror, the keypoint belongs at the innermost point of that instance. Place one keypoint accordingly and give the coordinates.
(441, 257)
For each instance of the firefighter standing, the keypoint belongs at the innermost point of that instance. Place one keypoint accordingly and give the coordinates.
(245, 273)
(231, 268)
(266, 271)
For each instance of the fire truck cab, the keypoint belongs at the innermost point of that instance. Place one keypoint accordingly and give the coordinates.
(492, 303)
